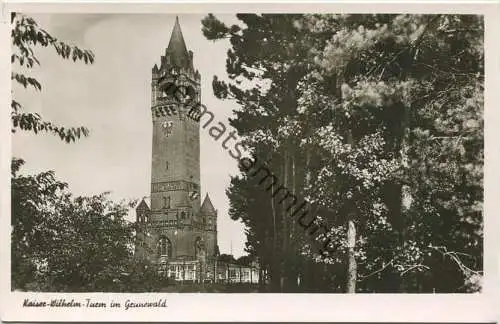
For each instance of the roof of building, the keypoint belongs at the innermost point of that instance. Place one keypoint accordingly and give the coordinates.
(145, 203)
(207, 207)
(177, 47)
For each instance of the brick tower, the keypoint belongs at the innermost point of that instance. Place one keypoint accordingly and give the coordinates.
(174, 226)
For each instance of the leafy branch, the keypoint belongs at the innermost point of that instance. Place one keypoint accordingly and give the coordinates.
(25, 35)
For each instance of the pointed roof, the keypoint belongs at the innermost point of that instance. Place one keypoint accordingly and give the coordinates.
(207, 207)
(143, 204)
(177, 47)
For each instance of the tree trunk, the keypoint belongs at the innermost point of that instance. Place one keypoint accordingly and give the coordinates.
(292, 240)
(261, 278)
(307, 266)
(275, 264)
(284, 228)
(351, 240)
(282, 262)
(265, 258)
(351, 265)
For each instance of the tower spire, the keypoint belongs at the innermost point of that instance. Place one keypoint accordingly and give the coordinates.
(177, 47)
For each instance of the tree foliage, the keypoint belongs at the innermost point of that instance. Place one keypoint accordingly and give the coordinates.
(26, 35)
(377, 120)
(421, 95)
(66, 243)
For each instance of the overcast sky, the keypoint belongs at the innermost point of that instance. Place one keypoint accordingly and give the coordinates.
(112, 99)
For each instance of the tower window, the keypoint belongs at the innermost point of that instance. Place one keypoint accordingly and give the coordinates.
(166, 202)
(166, 165)
(183, 215)
(167, 127)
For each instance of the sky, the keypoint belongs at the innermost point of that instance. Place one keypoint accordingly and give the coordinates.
(112, 99)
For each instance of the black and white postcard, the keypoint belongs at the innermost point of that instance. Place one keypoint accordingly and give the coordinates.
(173, 162)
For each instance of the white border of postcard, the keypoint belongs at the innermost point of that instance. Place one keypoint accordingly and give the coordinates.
(480, 307)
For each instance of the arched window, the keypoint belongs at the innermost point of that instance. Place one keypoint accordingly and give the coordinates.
(190, 95)
(164, 246)
(166, 165)
(183, 215)
(166, 202)
(198, 246)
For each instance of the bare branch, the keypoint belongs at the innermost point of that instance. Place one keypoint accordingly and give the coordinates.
(416, 266)
(454, 256)
(361, 278)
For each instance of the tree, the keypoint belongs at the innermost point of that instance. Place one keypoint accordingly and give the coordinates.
(73, 244)
(269, 56)
(65, 243)
(251, 205)
(244, 260)
(357, 110)
(228, 258)
(28, 195)
(422, 111)
(25, 36)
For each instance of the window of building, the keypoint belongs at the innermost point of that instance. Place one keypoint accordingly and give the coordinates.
(166, 165)
(164, 247)
(183, 215)
(166, 202)
(198, 246)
